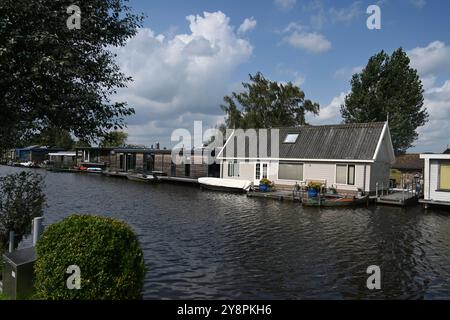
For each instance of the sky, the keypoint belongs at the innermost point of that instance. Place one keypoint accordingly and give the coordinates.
(190, 54)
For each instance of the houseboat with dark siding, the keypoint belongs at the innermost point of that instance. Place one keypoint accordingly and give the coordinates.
(94, 157)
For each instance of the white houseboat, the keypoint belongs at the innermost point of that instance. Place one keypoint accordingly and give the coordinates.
(347, 157)
(436, 179)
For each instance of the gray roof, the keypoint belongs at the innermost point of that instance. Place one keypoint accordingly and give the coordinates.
(329, 142)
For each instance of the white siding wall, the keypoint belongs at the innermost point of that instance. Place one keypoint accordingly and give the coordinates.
(380, 170)
(311, 171)
(432, 183)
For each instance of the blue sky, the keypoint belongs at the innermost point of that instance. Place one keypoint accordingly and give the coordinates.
(191, 53)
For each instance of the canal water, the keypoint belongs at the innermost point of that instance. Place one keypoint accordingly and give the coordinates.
(209, 245)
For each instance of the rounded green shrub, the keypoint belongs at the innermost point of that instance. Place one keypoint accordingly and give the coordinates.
(106, 251)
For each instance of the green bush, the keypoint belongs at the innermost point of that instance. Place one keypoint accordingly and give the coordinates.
(106, 251)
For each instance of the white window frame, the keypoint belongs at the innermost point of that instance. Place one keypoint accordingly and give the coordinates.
(291, 134)
(234, 166)
(88, 158)
(346, 174)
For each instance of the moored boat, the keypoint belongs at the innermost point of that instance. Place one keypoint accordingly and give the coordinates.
(335, 201)
(141, 178)
(228, 185)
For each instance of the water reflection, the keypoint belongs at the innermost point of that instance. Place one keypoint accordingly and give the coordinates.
(207, 245)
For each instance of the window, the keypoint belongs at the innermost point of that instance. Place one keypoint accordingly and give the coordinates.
(341, 174)
(85, 156)
(290, 171)
(351, 175)
(258, 171)
(233, 168)
(291, 138)
(345, 174)
(444, 176)
(264, 171)
(187, 170)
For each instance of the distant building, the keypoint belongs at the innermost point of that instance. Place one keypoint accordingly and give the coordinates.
(436, 179)
(93, 157)
(35, 154)
(410, 167)
(348, 157)
(63, 159)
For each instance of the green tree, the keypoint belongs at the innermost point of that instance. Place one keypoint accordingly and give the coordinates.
(114, 139)
(54, 138)
(267, 104)
(21, 200)
(388, 86)
(51, 75)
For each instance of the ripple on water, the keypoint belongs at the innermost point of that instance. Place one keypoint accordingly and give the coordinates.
(208, 245)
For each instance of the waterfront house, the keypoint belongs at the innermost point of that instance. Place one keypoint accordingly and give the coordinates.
(348, 157)
(196, 163)
(135, 160)
(193, 164)
(35, 154)
(406, 169)
(8, 156)
(93, 157)
(436, 179)
(63, 159)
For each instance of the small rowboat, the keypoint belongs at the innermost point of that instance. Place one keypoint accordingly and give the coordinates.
(141, 178)
(335, 201)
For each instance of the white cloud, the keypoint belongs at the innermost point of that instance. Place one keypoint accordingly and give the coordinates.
(347, 73)
(248, 25)
(418, 3)
(181, 79)
(310, 41)
(348, 14)
(330, 114)
(434, 136)
(433, 58)
(285, 4)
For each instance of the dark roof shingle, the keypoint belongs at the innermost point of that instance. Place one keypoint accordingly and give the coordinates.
(328, 142)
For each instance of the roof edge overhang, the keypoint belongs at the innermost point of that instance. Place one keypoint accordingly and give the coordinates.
(298, 160)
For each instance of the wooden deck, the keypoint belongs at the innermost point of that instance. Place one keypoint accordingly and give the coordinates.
(398, 199)
(276, 195)
(434, 203)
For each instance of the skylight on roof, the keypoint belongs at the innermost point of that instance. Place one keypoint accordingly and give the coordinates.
(291, 138)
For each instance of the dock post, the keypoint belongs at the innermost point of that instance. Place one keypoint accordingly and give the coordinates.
(37, 229)
(11, 241)
(376, 190)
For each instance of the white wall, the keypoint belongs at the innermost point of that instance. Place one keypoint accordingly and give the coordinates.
(311, 171)
(431, 182)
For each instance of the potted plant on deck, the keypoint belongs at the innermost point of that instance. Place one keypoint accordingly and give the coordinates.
(265, 185)
(314, 189)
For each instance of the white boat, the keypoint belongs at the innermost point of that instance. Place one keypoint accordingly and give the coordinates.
(94, 170)
(225, 184)
(141, 177)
